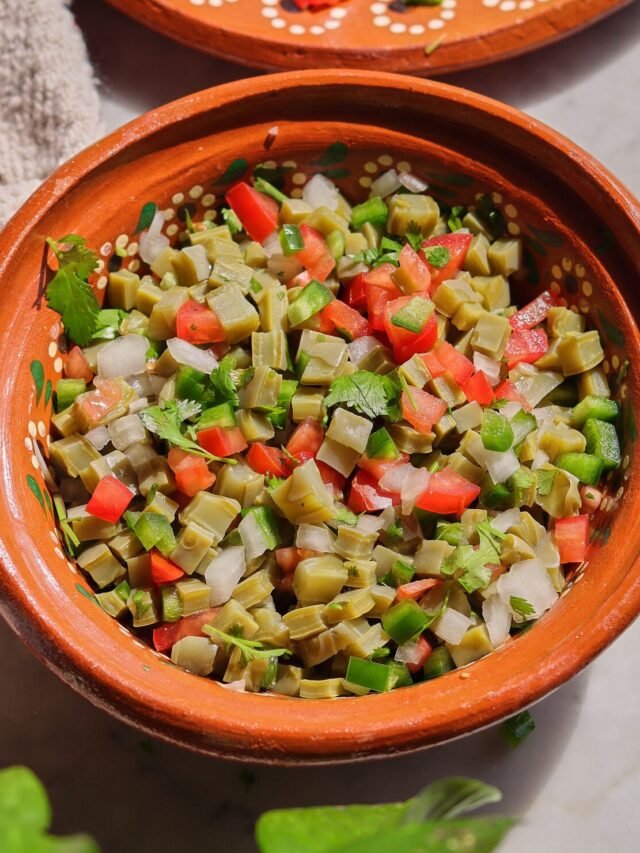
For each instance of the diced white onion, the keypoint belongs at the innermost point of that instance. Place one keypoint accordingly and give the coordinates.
(547, 552)
(253, 537)
(413, 485)
(535, 386)
(223, 573)
(504, 520)
(192, 356)
(126, 431)
(530, 581)
(146, 384)
(77, 511)
(99, 437)
(412, 182)
(489, 366)
(361, 347)
(315, 538)
(497, 617)
(393, 478)
(153, 241)
(284, 267)
(386, 184)
(451, 626)
(510, 410)
(370, 523)
(138, 405)
(540, 458)
(387, 516)
(123, 356)
(321, 192)
(544, 415)
(272, 245)
(500, 465)
(468, 416)
(409, 653)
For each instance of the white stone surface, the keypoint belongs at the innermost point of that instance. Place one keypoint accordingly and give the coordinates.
(575, 782)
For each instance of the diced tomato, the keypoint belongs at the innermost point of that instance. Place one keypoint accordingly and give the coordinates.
(163, 570)
(456, 364)
(413, 265)
(477, 389)
(533, 313)
(378, 467)
(304, 442)
(222, 441)
(406, 343)
(424, 649)
(416, 589)
(288, 558)
(315, 257)
(257, 212)
(433, 364)
(345, 320)
(168, 634)
(447, 493)
(381, 277)
(97, 404)
(377, 299)
(110, 499)
(458, 246)
(422, 409)
(508, 391)
(331, 477)
(191, 471)
(267, 460)
(301, 280)
(76, 366)
(525, 345)
(356, 292)
(367, 496)
(572, 538)
(198, 324)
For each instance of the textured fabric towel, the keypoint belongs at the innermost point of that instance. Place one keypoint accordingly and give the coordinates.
(49, 106)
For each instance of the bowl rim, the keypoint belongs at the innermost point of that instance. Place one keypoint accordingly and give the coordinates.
(74, 662)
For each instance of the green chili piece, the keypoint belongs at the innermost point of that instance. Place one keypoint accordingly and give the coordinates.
(291, 239)
(369, 674)
(591, 406)
(312, 299)
(438, 662)
(374, 210)
(585, 466)
(404, 621)
(518, 728)
(496, 432)
(602, 441)
(66, 392)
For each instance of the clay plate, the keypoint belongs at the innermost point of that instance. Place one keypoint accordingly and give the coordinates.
(382, 35)
(581, 230)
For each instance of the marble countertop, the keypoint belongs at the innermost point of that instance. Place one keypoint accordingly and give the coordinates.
(575, 782)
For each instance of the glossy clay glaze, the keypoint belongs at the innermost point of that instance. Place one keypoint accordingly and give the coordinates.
(581, 232)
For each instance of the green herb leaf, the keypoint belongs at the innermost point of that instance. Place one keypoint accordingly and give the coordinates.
(521, 606)
(475, 563)
(251, 649)
(544, 481)
(454, 221)
(222, 381)
(414, 236)
(147, 213)
(166, 423)
(437, 256)
(231, 220)
(449, 798)
(68, 292)
(518, 728)
(364, 391)
(395, 532)
(345, 516)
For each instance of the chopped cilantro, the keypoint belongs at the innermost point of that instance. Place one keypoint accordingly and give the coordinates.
(414, 236)
(345, 516)
(473, 565)
(250, 649)
(437, 256)
(521, 606)
(231, 220)
(166, 423)
(394, 531)
(544, 481)
(454, 222)
(68, 292)
(366, 392)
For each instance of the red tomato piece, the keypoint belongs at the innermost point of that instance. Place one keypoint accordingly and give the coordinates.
(448, 493)
(508, 391)
(110, 499)
(163, 570)
(413, 265)
(356, 292)
(424, 649)
(381, 277)
(406, 343)
(367, 496)
(304, 442)
(433, 364)
(572, 538)
(191, 471)
(345, 320)
(198, 324)
(458, 246)
(456, 364)
(422, 409)
(288, 558)
(301, 280)
(257, 212)
(315, 257)
(378, 467)
(416, 589)
(533, 313)
(267, 460)
(478, 390)
(525, 345)
(168, 634)
(98, 403)
(222, 441)
(77, 367)
(331, 477)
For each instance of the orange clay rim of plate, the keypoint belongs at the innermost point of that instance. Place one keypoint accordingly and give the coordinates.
(381, 35)
(42, 596)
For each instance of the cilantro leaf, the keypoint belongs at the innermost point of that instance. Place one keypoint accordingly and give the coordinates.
(166, 423)
(544, 480)
(345, 516)
(521, 606)
(454, 222)
(395, 532)
(231, 220)
(474, 565)
(68, 292)
(414, 236)
(222, 381)
(251, 649)
(437, 256)
(364, 391)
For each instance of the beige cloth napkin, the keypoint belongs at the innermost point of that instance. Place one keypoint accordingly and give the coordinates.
(49, 105)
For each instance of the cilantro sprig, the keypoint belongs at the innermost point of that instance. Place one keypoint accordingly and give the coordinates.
(437, 256)
(251, 649)
(368, 393)
(68, 292)
(521, 606)
(167, 422)
(473, 566)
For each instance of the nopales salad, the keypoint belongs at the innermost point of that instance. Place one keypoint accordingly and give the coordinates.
(315, 449)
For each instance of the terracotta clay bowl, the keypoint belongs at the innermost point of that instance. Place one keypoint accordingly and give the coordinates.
(386, 35)
(582, 234)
